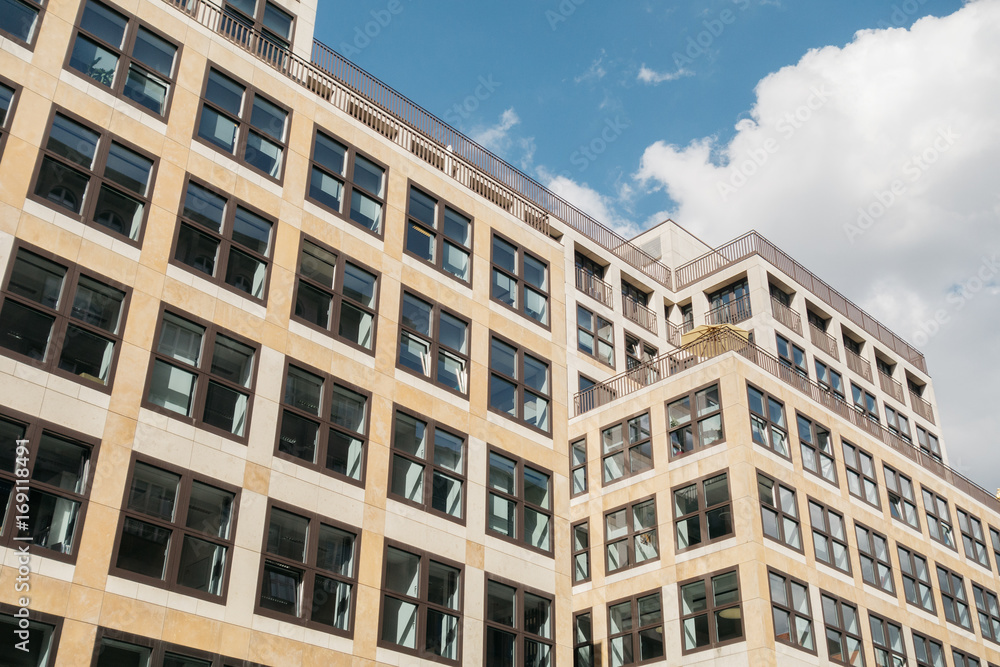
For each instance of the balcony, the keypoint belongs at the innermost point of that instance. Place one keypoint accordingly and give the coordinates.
(594, 287)
(638, 313)
(858, 365)
(730, 313)
(922, 407)
(673, 334)
(891, 387)
(786, 316)
(823, 341)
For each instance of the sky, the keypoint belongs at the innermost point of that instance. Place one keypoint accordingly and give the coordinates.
(861, 136)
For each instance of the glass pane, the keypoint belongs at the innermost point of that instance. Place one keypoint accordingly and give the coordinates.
(536, 529)
(536, 273)
(344, 454)
(368, 175)
(204, 207)
(154, 52)
(423, 208)
(86, 355)
(502, 515)
(326, 189)
(359, 285)
(500, 603)
(456, 227)
(202, 565)
(143, 548)
(446, 495)
(536, 411)
(268, 118)
(348, 409)
(180, 339)
(410, 435)
(443, 585)
(37, 279)
(720, 522)
(502, 395)
(453, 333)
(128, 169)
(280, 588)
(500, 648)
(536, 487)
(504, 289)
(536, 374)
(94, 60)
(51, 521)
(536, 305)
(366, 211)
(197, 250)
(264, 154)
(287, 535)
(246, 273)
(210, 510)
(146, 89)
(402, 572)
(330, 154)
(335, 550)
(97, 304)
(416, 314)
(172, 388)
(304, 390)
(536, 616)
(331, 603)
(218, 129)
(415, 353)
(153, 492)
(252, 231)
(504, 255)
(121, 654)
(18, 19)
(442, 634)
(407, 479)
(232, 361)
(693, 598)
(224, 93)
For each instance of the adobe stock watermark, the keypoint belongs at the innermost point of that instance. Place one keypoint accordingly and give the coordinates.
(698, 45)
(22, 582)
(754, 159)
(462, 110)
(958, 299)
(365, 34)
(587, 153)
(901, 14)
(562, 12)
(912, 169)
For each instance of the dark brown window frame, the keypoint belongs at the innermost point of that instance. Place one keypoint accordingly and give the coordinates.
(431, 426)
(210, 333)
(702, 512)
(766, 425)
(938, 525)
(828, 370)
(54, 622)
(243, 122)
(988, 611)
(434, 344)
(520, 503)
(636, 629)
(866, 484)
(928, 443)
(578, 468)
(970, 541)
(325, 424)
(780, 512)
(518, 630)
(519, 385)
(580, 552)
(178, 529)
(631, 534)
(421, 602)
(583, 639)
(647, 350)
(909, 561)
(40, 6)
(995, 543)
(437, 232)
(897, 488)
(897, 422)
(224, 240)
(309, 569)
(964, 659)
(863, 407)
(825, 531)
(953, 598)
(793, 615)
(256, 23)
(125, 57)
(348, 184)
(710, 610)
(63, 318)
(789, 361)
(815, 430)
(879, 566)
(694, 422)
(891, 655)
(627, 448)
(34, 428)
(336, 294)
(839, 626)
(928, 644)
(15, 89)
(520, 282)
(95, 177)
(595, 321)
(159, 648)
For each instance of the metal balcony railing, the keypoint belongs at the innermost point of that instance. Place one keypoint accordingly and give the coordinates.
(922, 407)
(594, 287)
(730, 313)
(638, 313)
(673, 334)
(823, 341)
(786, 316)
(858, 365)
(891, 387)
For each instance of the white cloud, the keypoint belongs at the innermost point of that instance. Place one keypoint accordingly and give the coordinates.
(499, 139)
(651, 76)
(588, 200)
(595, 72)
(875, 165)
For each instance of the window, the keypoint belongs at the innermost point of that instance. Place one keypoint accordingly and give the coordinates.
(843, 631)
(114, 648)
(916, 578)
(929, 652)
(938, 518)
(995, 541)
(58, 488)
(583, 640)
(588, 265)
(792, 356)
(829, 536)
(520, 506)
(767, 422)
(637, 353)
(630, 291)
(244, 123)
(852, 345)
(817, 449)
(439, 234)
(711, 613)
(962, 659)
(928, 443)
(421, 604)
(176, 530)
(861, 480)
(695, 418)
(730, 305)
(200, 373)
(62, 319)
(864, 402)
(519, 384)
(341, 174)
(264, 18)
(520, 280)
(989, 612)
(428, 465)
(687, 317)
(519, 625)
(337, 295)
(887, 640)
(581, 552)
(779, 512)
(308, 570)
(829, 379)
(897, 423)
(578, 466)
(227, 241)
(119, 52)
(8, 97)
(19, 19)
(324, 423)
(434, 343)
(953, 599)
(595, 336)
(703, 512)
(94, 177)
(973, 538)
(902, 501)
(876, 566)
(635, 630)
(630, 535)
(39, 632)
(617, 462)
(791, 611)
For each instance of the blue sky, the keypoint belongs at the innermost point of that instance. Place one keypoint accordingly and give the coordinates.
(860, 136)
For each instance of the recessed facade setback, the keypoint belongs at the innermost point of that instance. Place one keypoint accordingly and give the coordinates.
(293, 373)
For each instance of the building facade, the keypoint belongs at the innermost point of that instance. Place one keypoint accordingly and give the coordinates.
(295, 374)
